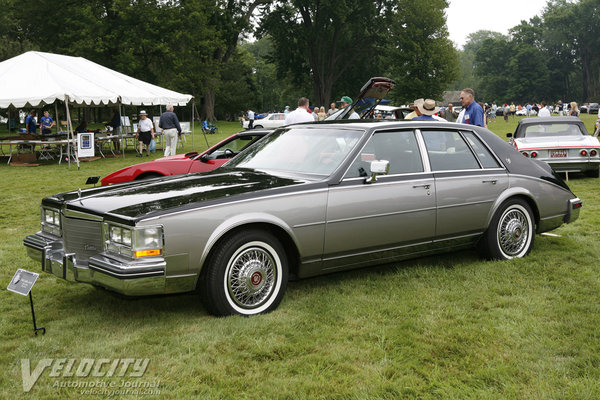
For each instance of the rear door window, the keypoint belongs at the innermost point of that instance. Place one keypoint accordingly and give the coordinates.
(448, 151)
(485, 156)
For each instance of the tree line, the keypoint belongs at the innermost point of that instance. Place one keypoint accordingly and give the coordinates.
(320, 49)
(553, 56)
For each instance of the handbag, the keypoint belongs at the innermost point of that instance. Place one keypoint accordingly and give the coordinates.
(152, 146)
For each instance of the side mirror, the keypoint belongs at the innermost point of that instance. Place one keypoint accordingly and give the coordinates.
(378, 167)
(509, 135)
(204, 158)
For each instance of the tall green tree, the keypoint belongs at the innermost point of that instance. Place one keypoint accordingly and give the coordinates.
(322, 40)
(491, 66)
(419, 55)
(466, 59)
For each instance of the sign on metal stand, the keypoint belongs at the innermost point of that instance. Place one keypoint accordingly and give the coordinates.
(22, 283)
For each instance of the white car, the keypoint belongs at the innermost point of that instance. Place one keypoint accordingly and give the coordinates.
(523, 112)
(271, 121)
(562, 142)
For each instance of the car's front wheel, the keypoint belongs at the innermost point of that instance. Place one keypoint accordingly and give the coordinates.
(246, 275)
(258, 126)
(511, 231)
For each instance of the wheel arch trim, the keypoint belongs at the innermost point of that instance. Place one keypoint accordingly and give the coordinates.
(515, 192)
(257, 220)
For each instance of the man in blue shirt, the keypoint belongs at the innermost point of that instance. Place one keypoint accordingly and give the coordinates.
(47, 123)
(473, 114)
(30, 123)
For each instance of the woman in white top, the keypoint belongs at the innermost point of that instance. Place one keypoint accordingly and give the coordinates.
(145, 133)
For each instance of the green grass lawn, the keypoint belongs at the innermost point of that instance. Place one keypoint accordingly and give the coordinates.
(450, 326)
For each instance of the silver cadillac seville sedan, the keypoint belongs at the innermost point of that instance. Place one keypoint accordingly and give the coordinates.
(306, 200)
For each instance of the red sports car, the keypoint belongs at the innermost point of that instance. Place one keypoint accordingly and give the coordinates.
(187, 163)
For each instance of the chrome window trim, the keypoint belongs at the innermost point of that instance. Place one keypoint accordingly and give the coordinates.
(423, 149)
(469, 172)
(379, 183)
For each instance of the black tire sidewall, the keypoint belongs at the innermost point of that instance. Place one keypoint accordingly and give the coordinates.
(491, 247)
(214, 292)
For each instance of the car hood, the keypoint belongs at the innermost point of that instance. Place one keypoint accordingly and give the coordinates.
(177, 157)
(142, 199)
(556, 141)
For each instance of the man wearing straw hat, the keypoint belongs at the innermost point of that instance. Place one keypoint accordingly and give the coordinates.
(425, 109)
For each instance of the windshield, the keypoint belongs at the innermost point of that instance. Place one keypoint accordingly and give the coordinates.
(300, 149)
(542, 130)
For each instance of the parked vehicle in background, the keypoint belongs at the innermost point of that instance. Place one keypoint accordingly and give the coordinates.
(270, 121)
(523, 112)
(392, 112)
(562, 142)
(593, 108)
(187, 163)
(306, 200)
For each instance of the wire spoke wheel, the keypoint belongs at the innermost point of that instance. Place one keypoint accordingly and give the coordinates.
(251, 277)
(513, 231)
(246, 274)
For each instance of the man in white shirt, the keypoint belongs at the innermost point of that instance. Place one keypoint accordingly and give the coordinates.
(300, 114)
(544, 112)
(250, 119)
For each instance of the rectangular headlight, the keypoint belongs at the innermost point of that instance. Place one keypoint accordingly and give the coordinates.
(134, 242)
(50, 220)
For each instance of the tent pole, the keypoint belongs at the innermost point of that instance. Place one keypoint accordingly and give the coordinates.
(123, 141)
(56, 115)
(203, 133)
(70, 129)
(193, 125)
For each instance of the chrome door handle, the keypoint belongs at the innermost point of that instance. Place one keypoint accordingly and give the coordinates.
(426, 186)
(493, 181)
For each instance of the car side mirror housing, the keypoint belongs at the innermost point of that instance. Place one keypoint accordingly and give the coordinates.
(378, 167)
(509, 135)
(204, 158)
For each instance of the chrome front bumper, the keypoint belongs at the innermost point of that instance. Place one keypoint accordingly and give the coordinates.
(132, 278)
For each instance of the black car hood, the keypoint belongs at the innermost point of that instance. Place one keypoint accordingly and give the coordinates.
(154, 197)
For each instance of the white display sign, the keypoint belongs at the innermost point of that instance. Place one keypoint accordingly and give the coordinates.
(85, 144)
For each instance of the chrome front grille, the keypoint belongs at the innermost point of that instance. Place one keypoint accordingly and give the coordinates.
(82, 237)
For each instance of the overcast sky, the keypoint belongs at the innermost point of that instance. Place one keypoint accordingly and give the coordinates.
(468, 16)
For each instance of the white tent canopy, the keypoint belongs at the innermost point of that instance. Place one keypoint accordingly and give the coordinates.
(35, 78)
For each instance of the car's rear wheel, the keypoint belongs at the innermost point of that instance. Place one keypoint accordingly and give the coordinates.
(511, 232)
(246, 275)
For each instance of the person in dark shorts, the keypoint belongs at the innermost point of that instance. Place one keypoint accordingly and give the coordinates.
(145, 133)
